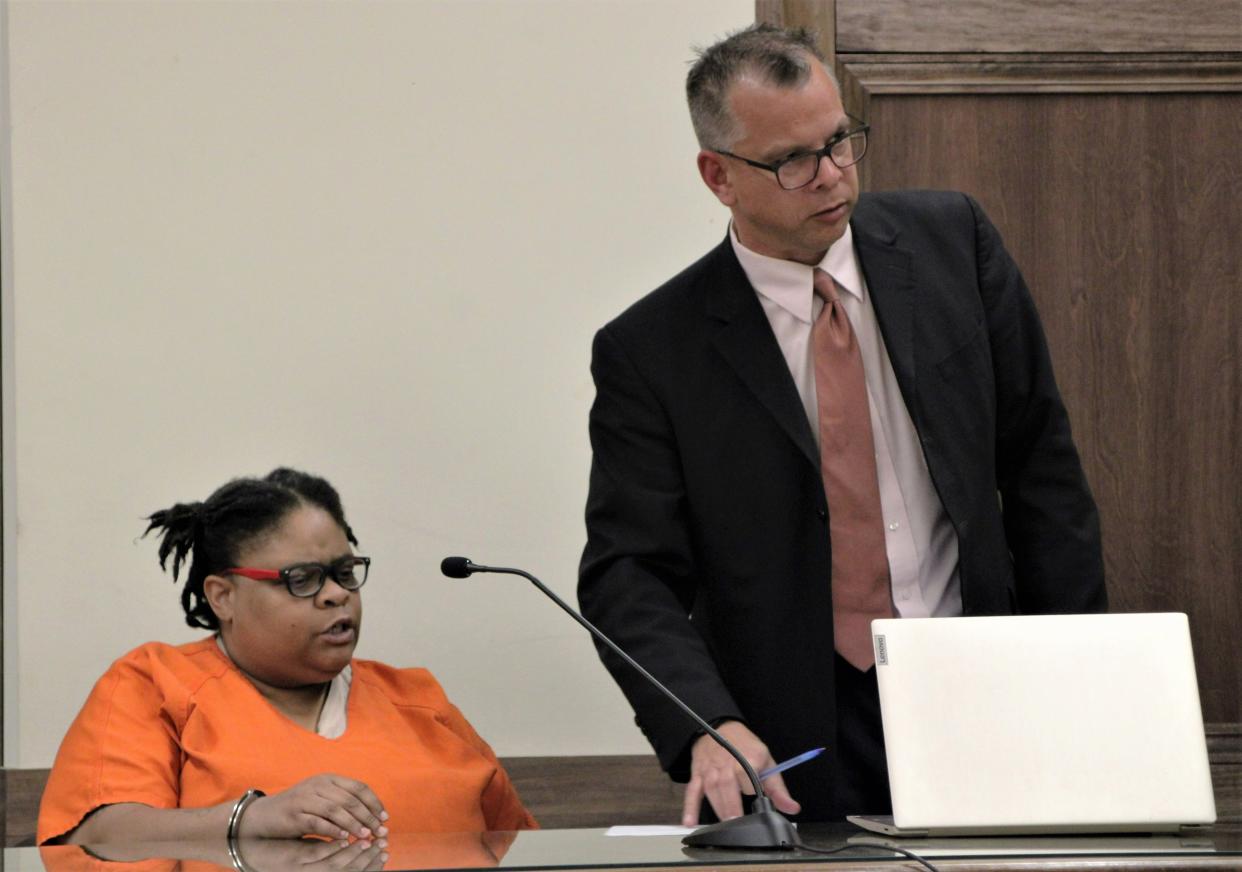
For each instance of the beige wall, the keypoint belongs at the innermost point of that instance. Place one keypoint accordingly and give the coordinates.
(369, 239)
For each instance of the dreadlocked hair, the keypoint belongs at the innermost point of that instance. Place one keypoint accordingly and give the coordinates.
(210, 535)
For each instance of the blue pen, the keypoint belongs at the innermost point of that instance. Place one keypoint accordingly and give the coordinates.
(791, 763)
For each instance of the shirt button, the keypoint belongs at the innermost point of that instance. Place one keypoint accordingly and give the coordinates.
(894, 525)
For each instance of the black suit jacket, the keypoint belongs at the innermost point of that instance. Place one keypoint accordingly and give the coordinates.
(708, 557)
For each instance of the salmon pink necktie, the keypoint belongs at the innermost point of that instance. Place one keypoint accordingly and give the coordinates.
(861, 589)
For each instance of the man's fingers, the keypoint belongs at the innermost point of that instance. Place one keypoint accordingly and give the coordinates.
(718, 776)
(776, 790)
(721, 788)
(693, 800)
(727, 802)
(743, 781)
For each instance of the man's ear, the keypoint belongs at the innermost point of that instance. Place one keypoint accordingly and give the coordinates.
(220, 592)
(715, 175)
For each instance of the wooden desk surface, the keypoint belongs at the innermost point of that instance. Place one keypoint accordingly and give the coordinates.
(1220, 848)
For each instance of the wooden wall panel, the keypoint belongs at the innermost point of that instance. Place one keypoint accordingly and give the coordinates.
(1039, 74)
(571, 792)
(1045, 26)
(819, 17)
(1126, 227)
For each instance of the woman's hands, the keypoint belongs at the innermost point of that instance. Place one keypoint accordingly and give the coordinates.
(323, 805)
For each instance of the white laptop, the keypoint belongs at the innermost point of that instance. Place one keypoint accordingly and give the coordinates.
(1041, 724)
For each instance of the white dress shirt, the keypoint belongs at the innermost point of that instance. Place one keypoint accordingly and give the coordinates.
(920, 541)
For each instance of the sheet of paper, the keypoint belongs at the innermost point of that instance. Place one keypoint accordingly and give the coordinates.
(653, 830)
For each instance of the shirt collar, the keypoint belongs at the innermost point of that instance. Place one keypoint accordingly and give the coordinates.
(789, 283)
(841, 262)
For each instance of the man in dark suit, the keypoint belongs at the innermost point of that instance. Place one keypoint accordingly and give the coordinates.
(719, 533)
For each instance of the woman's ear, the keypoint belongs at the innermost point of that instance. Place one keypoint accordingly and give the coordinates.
(220, 592)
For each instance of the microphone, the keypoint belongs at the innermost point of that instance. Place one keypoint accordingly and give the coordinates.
(764, 827)
(457, 567)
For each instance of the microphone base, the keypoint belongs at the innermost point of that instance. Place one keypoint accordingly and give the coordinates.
(765, 828)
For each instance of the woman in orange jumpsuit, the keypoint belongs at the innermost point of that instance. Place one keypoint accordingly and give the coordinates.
(269, 727)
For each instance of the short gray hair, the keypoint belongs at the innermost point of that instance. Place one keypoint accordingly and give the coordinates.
(774, 55)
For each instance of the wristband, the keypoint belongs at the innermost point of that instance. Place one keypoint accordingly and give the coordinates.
(239, 808)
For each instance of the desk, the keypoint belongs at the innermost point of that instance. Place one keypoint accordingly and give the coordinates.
(1220, 848)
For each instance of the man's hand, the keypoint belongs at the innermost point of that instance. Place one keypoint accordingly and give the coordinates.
(322, 805)
(715, 774)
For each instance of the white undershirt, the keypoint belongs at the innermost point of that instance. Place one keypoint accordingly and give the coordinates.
(919, 538)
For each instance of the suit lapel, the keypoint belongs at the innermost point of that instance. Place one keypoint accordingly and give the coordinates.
(888, 270)
(746, 342)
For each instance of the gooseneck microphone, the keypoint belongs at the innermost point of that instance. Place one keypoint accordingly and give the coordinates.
(764, 827)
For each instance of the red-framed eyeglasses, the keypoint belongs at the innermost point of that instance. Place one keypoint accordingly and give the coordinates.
(307, 579)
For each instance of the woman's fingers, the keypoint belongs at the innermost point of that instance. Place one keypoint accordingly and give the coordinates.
(361, 803)
(323, 805)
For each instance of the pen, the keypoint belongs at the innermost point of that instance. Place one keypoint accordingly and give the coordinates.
(791, 763)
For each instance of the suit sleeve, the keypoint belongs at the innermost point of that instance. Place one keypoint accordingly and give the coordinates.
(638, 579)
(1051, 522)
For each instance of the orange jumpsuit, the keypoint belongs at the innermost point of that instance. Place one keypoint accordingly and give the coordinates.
(181, 727)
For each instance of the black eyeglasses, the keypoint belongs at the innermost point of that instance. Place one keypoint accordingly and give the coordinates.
(796, 171)
(307, 579)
